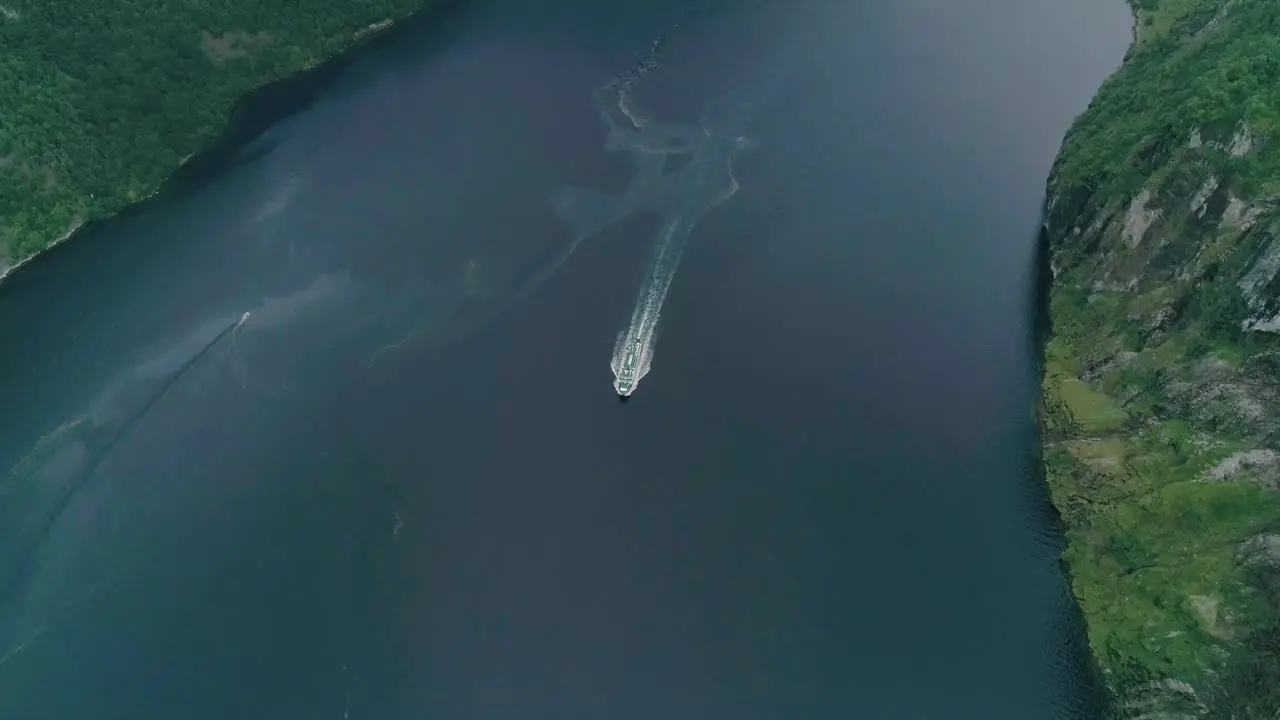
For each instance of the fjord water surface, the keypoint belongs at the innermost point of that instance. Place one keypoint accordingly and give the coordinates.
(326, 429)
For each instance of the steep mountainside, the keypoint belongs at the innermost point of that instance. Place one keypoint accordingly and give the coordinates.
(103, 99)
(1162, 375)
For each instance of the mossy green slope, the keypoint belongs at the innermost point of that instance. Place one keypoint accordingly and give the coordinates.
(1162, 377)
(100, 100)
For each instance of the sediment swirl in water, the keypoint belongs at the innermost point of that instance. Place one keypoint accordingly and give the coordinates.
(682, 197)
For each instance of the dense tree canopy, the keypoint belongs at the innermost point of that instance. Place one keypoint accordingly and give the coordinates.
(1202, 65)
(102, 99)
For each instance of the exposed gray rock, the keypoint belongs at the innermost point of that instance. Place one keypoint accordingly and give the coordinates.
(1239, 214)
(1138, 219)
(1262, 272)
(1201, 197)
(1241, 142)
(1262, 323)
(1217, 392)
(1262, 550)
(1262, 465)
(1264, 316)
(1167, 699)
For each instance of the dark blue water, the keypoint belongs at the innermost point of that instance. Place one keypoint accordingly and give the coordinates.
(402, 486)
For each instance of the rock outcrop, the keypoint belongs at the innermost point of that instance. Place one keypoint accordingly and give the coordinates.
(1162, 374)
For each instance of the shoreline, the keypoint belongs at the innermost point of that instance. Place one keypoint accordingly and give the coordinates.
(361, 39)
(1160, 449)
(1045, 432)
(11, 269)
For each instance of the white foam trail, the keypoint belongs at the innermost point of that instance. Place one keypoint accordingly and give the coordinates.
(633, 354)
(588, 211)
(683, 196)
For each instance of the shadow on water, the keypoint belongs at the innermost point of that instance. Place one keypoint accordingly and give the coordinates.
(1074, 659)
(1041, 288)
(247, 139)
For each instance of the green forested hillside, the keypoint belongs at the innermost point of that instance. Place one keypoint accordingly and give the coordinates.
(101, 99)
(1162, 377)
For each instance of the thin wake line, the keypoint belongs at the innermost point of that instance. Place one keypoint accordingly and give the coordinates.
(20, 575)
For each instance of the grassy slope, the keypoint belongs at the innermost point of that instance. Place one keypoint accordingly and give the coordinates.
(103, 98)
(1150, 380)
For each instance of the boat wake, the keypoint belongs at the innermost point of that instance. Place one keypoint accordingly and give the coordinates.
(38, 491)
(680, 197)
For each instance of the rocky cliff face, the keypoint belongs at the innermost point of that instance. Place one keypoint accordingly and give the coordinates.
(1162, 374)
